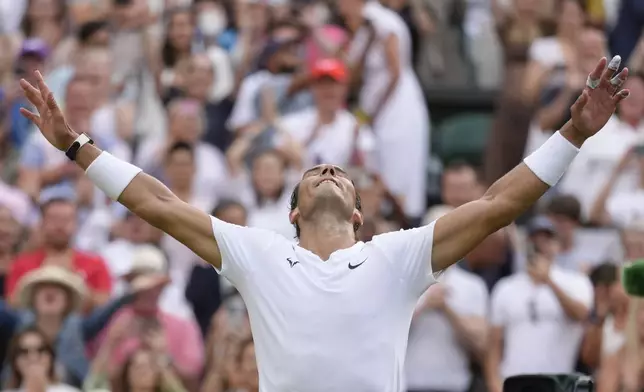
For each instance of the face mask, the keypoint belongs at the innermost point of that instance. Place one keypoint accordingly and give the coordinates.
(212, 22)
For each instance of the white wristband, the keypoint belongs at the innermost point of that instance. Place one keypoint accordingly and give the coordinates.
(550, 161)
(111, 175)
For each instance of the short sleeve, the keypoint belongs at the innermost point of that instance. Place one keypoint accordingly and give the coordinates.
(498, 311)
(100, 279)
(476, 300)
(410, 252)
(240, 248)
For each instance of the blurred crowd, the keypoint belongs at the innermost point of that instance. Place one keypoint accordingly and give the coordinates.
(228, 101)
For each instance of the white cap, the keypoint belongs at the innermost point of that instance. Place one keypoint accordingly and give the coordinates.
(147, 259)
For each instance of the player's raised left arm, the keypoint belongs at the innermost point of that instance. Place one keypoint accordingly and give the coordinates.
(459, 231)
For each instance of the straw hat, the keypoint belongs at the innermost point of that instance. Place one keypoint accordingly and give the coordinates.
(146, 259)
(55, 275)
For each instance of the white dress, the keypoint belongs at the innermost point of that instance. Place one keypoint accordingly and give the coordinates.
(403, 123)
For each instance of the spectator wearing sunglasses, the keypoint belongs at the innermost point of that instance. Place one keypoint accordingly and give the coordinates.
(538, 316)
(33, 364)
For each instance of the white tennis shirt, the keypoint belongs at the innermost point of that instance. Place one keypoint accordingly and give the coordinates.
(336, 325)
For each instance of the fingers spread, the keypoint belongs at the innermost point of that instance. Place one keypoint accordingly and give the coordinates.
(621, 96)
(44, 89)
(33, 117)
(599, 69)
(618, 81)
(33, 95)
(581, 102)
(608, 73)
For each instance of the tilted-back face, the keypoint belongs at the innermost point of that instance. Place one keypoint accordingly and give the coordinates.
(326, 188)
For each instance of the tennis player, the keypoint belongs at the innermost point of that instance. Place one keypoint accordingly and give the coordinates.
(330, 313)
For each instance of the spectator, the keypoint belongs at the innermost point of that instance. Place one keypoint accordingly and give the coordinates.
(392, 99)
(622, 371)
(45, 20)
(33, 360)
(205, 289)
(153, 328)
(449, 327)
(565, 213)
(621, 208)
(185, 124)
(130, 234)
(605, 330)
(264, 191)
(143, 370)
(601, 155)
(633, 240)
(52, 298)
(328, 132)
(57, 229)
(540, 312)
(9, 240)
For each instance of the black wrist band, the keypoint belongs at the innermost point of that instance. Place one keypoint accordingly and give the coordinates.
(80, 141)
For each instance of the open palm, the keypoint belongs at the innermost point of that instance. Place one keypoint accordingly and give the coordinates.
(49, 119)
(595, 106)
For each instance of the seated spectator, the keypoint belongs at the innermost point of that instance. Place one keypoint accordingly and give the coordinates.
(50, 299)
(620, 208)
(540, 312)
(449, 327)
(601, 155)
(565, 213)
(57, 229)
(328, 132)
(143, 370)
(153, 328)
(33, 362)
(185, 124)
(632, 237)
(605, 330)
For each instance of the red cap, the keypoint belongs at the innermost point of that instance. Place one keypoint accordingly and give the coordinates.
(332, 68)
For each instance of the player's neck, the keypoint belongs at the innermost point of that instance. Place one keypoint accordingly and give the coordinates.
(325, 237)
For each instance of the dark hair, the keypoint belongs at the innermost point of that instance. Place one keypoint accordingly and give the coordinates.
(27, 25)
(125, 370)
(180, 146)
(295, 199)
(169, 53)
(565, 205)
(224, 205)
(15, 380)
(87, 30)
(604, 274)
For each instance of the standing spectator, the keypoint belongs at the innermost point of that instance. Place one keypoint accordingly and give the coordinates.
(449, 327)
(51, 298)
(327, 132)
(565, 213)
(537, 319)
(59, 217)
(33, 360)
(601, 155)
(391, 99)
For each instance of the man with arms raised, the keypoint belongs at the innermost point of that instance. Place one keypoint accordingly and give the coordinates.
(330, 313)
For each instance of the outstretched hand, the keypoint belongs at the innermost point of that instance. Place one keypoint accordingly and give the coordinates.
(49, 119)
(600, 97)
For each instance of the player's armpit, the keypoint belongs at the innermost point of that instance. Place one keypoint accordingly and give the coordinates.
(462, 229)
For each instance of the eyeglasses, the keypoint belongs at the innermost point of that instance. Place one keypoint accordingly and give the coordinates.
(40, 350)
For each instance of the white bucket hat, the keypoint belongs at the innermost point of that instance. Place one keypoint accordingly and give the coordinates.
(54, 275)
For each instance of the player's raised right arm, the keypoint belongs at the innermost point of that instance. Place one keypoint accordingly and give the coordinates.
(142, 194)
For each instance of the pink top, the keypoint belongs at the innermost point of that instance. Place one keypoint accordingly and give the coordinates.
(183, 337)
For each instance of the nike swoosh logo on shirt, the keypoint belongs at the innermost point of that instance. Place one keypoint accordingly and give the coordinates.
(354, 266)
